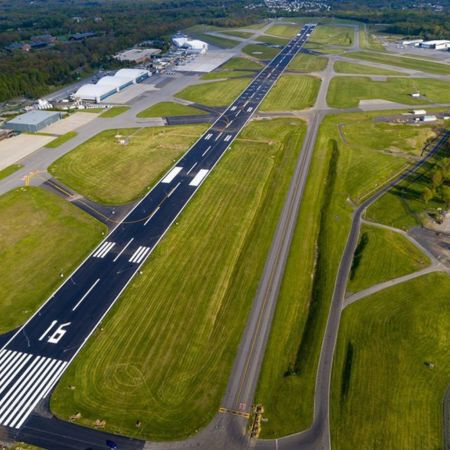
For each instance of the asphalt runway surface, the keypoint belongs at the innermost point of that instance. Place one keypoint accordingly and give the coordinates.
(35, 357)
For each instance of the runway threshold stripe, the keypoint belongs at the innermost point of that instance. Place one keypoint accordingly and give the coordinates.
(142, 255)
(171, 175)
(5, 358)
(139, 254)
(199, 177)
(104, 249)
(15, 368)
(86, 294)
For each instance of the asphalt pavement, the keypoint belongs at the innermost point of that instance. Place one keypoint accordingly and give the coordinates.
(36, 356)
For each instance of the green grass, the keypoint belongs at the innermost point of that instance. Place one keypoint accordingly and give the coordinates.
(325, 216)
(405, 62)
(284, 30)
(114, 112)
(226, 74)
(217, 41)
(171, 370)
(368, 40)
(272, 40)
(7, 171)
(260, 51)
(389, 397)
(387, 255)
(237, 33)
(347, 67)
(329, 34)
(238, 63)
(97, 168)
(62, 139)
(308, 63)
(94, 110)
(38, 230)
(168, 109)
(292, 92)
(346, 92)
(216, 93)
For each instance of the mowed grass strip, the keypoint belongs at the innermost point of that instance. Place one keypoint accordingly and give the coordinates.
(7, 171)
(333, 185)
(114, 112)
(238, 63)
(104, 170)
(170, 368)
(272, 40)
(216, 93)
(61, 139)
(348, 67)
(168, 109)
(334, 35)
(260, 51)
(41, 237)
(220, 42)
(346, 92)
(237, 33)
(391, 368)
(405, 62)
(386, 255)
(308, 63)
(284, 30)
(292, 92)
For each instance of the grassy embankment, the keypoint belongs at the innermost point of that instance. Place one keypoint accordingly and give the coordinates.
(215, 93)
(61, 139)
(391, 368)
(368, 154)
(308, 63)
(38, 230)
(97, 168)
(7, 171)
(114, 112)
(346, 92)
(347, 67)
(383, 255)
(292, 92)
(168, 109)
(402, 61)
(170, 372)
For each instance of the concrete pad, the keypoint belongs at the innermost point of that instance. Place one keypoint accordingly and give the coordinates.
(18, 147)
(376, 102)
(70, 123)
(207, 62)
(130, 93)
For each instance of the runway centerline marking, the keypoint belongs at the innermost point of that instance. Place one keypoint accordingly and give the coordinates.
(127, 244)
(192, 168)
(86, 294)
(206, 151)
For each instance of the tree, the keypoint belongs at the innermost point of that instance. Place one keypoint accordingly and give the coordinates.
(446, 195)
(427, 195)
(437, 178)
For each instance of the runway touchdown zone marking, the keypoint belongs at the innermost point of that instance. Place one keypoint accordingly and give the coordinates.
(23, 393)
(139, 255)
(199, 177)
(104, 249)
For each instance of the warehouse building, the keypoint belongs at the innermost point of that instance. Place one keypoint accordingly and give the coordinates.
(137, 55)
(110, 85)
(33, 121)
(436, 45)
(191, 45)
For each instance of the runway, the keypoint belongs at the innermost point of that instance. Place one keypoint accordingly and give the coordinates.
(36, 356)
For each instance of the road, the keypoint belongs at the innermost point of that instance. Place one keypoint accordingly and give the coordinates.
(36, 356)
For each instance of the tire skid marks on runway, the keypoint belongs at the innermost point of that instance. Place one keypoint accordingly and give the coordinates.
(139, 254)
(35, 381)
(104, 249)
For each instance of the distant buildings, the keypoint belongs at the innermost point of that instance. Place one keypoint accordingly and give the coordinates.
(137, 55)
(438, 44)
(82, 36)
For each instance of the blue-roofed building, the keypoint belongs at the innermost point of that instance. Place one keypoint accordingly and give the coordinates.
(33, 121)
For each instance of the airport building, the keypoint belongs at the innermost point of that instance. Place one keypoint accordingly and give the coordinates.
(110, 85)
(191, 45)
(137, 55)
(33, 121)
(436, 45)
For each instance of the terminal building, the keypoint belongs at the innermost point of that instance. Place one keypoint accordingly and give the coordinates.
(110, 85)
(33, 121)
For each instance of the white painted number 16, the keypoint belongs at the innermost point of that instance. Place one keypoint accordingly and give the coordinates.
(57, 334)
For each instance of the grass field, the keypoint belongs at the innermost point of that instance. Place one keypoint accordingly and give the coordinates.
(240, 64)
(386, 255)
(226, 74)
(385, 394)
(171, 370)
(308, 63)
(114, 112)
(346, 67)
(405, 62)
(216, 93)
(7, 171)
(272, 40)
(260, 51)
(61, 139)
(237, 33)
(346, 92)
(97, 168)
(368, 40)
(220, 42)
(361, 164)
(403, 206)
(38, 230)
(292, 92)
(284, 30)
(168, 109)
(329, 34)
